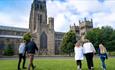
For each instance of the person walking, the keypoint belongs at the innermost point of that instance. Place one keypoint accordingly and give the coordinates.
(78, 49)
(103, 55)
(22, 55)
(89, 52)
(31, 48)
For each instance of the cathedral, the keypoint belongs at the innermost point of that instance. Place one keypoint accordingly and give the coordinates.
(42, 29)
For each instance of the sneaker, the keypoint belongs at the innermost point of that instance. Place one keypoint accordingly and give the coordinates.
(92, 68)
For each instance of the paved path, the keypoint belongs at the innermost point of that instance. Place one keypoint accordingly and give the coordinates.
(43, 57)
(39, 57)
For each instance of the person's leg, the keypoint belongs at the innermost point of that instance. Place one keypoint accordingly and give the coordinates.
(88, 60)
(29, 61)
(20, 58)
(78, 64)
(91, 61)
(103, 62)
(24, 60)
(31, 56)
(32, 62)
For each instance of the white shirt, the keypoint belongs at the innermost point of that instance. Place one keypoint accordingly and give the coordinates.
(88, 48)
(78, 53)
(21, 48)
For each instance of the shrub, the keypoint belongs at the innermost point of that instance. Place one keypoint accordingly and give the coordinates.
(9, 51)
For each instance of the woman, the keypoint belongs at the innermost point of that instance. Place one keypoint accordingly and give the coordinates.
(89, 52)
(78, 55)
(103, 55)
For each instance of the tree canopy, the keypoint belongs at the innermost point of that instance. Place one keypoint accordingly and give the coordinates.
(67, 45)
(105, 35)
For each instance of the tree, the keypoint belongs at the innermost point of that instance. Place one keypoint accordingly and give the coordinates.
(67, 45)
(94, 36)
(105, 35)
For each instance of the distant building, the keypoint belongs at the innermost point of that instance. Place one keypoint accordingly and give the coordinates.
(10, 36)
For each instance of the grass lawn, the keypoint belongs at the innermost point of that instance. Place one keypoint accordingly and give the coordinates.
(56, 64)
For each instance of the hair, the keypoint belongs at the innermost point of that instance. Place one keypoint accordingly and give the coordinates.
(102, 48)
(78, 43)
(86, 40)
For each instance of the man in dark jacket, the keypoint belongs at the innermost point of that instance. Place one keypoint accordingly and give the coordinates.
(30, 49)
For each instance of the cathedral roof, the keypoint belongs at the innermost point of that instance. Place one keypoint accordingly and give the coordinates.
(13, 28)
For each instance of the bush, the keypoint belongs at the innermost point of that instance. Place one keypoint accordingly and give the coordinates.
(112, 53)
(9, 51)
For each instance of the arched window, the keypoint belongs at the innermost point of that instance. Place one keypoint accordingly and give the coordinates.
(43, 41)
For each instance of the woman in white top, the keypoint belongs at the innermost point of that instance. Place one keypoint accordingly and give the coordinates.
(78, 55)
(89, 51)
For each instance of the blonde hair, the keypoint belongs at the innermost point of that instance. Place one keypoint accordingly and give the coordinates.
(102, 49)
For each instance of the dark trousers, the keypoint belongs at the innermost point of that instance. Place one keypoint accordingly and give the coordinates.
(20, 59)
(89, 58)
(78, 62)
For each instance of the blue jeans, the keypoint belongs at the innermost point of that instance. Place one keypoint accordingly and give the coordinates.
(103, 61)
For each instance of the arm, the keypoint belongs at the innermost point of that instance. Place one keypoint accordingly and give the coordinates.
(35, 46)
(94, 51)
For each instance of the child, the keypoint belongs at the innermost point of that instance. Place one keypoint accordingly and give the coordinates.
(103, 55)
(78, 55)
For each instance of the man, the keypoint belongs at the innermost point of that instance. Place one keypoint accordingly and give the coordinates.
(31, 48)
(22, 55)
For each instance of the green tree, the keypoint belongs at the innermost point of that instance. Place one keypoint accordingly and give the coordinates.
(9, 51)
(105, 35)
(67, 45)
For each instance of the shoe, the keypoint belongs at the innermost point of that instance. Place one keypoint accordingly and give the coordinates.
(92, 68)
(24, 67)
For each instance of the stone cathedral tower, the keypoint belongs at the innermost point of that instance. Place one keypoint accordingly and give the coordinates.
(41, 30)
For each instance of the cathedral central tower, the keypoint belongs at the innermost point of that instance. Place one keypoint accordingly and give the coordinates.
(42, 32)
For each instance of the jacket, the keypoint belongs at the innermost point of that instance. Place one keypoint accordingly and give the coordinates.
(104, 55)
(31, 47)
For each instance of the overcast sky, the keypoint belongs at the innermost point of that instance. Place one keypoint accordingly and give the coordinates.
(65, 12)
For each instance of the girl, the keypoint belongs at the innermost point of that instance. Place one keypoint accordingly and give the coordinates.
(103, 55)
(78, 55)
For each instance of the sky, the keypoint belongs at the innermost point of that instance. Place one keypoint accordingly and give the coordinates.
(65, 12)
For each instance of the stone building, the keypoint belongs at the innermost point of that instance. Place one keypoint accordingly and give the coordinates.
(84, 26)
(10, 36)
(42, 29)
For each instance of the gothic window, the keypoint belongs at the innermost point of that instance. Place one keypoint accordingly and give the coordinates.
(34, 26)
(43, 41)
(40, 18)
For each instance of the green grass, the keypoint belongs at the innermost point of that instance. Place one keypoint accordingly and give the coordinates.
(56, 64)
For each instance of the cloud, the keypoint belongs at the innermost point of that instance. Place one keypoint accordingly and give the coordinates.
(102, 12)
(12, 20)
(65, 13)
